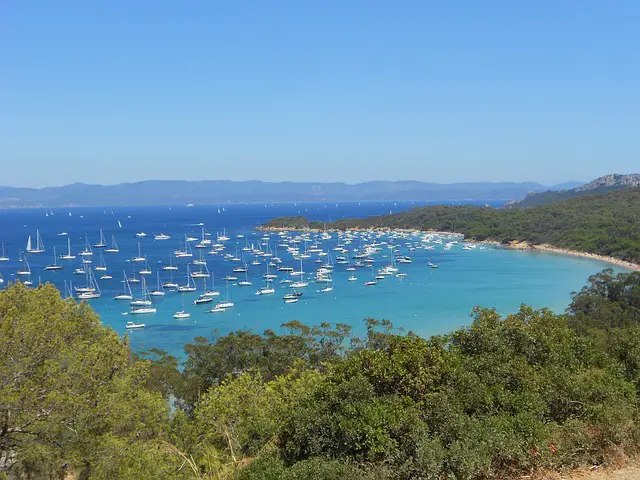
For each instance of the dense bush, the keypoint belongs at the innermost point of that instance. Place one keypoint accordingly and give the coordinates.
(502, 397)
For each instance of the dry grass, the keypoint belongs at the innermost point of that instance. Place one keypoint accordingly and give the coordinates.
(630, 472)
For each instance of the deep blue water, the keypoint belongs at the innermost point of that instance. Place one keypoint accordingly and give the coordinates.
(428, 301)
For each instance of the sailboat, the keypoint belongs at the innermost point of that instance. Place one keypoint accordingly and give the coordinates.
(87, 252)
(26, 270)
(186, 253)
(92, 290)
(68, 256)
(371, 282)
(39, 248)
(292, 297)
(170, 285)
(300, 283)
(142, 306)
(139, 258)
(3, 257)
(171, 266)
(189, 287)
(212, 292)
(159, 291)
(101, 243)
(146, 270)
(114, 246)
(144, 300)
(200, 261)
(201, 273)
(268, 287)
(55, 265)
(245, 282)
(102, 267)
(126, 295)
(226, 303)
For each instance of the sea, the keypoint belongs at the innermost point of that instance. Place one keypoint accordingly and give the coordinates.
(427, 301)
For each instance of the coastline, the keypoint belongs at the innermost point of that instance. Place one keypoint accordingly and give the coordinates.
(574, 253)
(515, 245)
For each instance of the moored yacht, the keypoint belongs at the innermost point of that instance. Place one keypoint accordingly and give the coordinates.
(39, 248)
(55, 265)
(68, 255)
(133, 325)
(101, 243)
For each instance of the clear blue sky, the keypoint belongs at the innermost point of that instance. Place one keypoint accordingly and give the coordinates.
(447, 91)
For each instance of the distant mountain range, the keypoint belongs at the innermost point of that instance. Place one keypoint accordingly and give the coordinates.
(174, 192)
(599, 185)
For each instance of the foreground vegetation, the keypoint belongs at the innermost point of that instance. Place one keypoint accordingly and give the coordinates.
(606, 224)
(503, 397)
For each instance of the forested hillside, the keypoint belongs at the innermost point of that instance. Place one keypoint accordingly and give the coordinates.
(606, 224)
(502, 398)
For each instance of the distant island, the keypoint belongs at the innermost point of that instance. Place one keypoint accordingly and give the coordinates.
(175, 192)
(607, 225)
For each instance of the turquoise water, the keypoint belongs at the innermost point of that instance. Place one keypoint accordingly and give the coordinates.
(428, 301)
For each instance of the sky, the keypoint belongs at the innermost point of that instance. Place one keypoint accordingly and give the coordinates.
(455, 91)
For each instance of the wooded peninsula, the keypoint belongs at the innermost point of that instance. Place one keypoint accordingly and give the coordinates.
(607, 224)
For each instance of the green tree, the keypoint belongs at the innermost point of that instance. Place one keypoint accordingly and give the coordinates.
(71, 397)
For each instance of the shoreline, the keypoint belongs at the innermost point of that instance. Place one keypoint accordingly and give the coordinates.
(574, 253)
(512, 246)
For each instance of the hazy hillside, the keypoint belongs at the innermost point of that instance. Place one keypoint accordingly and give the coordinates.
(158, 192)
(599, 185)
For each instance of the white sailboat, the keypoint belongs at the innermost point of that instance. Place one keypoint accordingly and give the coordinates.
(186, 252)
(268, 288)
(146, 270)
(159, 291)
(114, 246)
(25, 270)
(245, 282)
(139, 258)
(227, 303)
(170, 285)
(68, 255)
(171, 266)
(101, 243)
(3, 257)
(373, 281)
(39, 248)
(189, 287)
(55, 265)
(102, 267)
(92, 290)
(145, 299)
(126, 295)
(87, 252)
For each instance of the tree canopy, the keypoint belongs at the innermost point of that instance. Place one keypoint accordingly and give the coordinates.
(503, 397)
